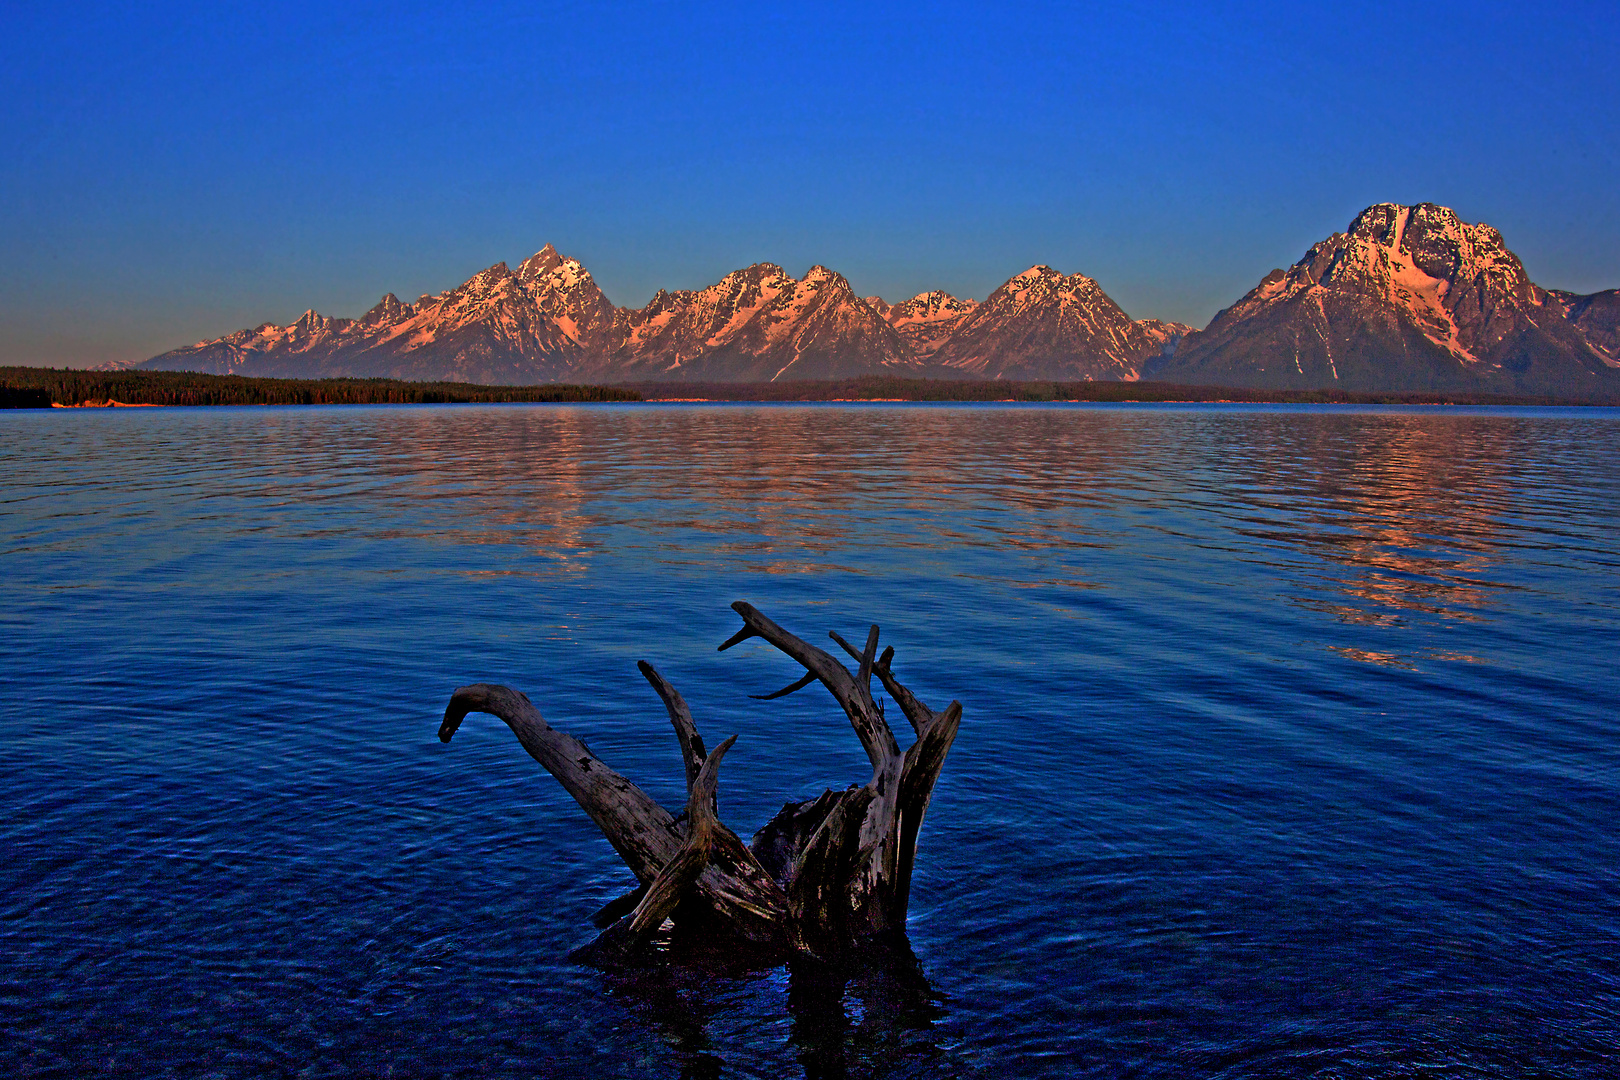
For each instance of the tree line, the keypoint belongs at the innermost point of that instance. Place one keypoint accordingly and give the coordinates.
(28, 387)
(884, 387)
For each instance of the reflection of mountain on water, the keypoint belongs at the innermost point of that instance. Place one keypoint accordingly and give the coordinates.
(1395, 515)
(1373, 520)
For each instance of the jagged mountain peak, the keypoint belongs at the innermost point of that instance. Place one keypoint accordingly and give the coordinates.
(1387, 223)
(1408, 297)
(313, 322)
(547, 268)
(940, 296)
(1042, 285)
(542, 261)
(759, 323)
(1041, 322)
(1452, 281)
(487, 277)
(927, 320)
(387, 310)
(1042, 279)
(820, 278)
(760, 271)
(935, 302)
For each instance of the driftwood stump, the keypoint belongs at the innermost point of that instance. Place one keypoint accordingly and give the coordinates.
(819, 877)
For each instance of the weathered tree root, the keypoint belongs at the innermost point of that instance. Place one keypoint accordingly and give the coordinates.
(819, 877)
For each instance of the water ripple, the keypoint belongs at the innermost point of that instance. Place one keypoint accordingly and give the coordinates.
(1289, 746)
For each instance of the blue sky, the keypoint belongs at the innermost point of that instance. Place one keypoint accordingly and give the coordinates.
(174, 174)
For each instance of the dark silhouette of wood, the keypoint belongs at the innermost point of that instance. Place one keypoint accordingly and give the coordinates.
(821, 875)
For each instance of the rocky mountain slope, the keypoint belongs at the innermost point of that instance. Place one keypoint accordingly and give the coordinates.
(1042, 325)
(926, 321)
(537, 324)
(1410, 298)
(755, 325)
(1597, 317)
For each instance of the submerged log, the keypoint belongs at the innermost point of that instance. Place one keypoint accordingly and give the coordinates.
(822, 874)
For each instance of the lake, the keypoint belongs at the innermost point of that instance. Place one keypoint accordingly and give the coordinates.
(1289, 741)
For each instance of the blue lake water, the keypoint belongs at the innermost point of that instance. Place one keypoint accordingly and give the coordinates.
(1289, 743)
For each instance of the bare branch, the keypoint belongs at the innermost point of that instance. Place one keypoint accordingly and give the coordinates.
(924, 760)
(692, 751)
(738, 638)
(920, 715)
(729, 880)
(809, 677)
(863, 658)
(855, 700)
(854, 653)
(865, 675)
(642, 832)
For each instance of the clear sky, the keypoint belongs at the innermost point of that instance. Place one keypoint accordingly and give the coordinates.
(175, 174)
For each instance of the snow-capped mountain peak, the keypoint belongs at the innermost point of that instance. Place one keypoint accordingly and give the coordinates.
(1408, 297)
(927, 320)
(1041, 323)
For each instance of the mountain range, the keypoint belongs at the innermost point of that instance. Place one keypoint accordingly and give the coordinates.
(1409, 298)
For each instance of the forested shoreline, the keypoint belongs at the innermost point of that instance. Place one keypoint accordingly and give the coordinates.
(25, 387)
(29, 387)
(887, 388)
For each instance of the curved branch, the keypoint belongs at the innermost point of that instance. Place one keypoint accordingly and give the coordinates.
(797, 685)
(917, 713)
(730, 881)
(921, 770)
(692, 751)
(854, 699)
(681, 872)
(642, 832)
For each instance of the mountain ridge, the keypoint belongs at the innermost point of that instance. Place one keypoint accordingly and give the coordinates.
(548, 321)
(1407, 298)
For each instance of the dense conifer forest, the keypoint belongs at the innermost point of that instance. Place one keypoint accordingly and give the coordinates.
(884, 388)
(42, 387)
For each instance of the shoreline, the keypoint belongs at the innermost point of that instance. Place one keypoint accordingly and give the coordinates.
(66, 388)
(110, 403)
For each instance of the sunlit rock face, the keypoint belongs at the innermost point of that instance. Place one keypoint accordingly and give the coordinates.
(538, 324)
(758, 325)
(1043, 325)
(926, 321)
(1409, 298)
